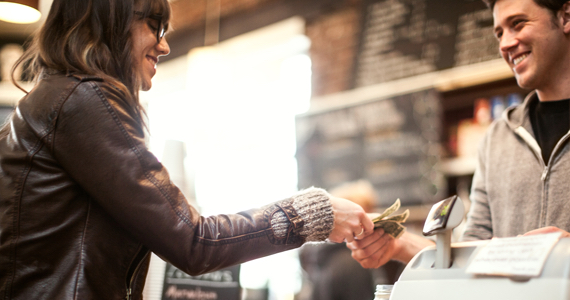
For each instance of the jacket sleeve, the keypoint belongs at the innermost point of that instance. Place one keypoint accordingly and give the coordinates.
(479, 224)
(99, 141)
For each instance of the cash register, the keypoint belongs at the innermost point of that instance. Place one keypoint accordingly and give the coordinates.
(521, 268)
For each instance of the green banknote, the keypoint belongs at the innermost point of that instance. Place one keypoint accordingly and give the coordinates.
(392, 225)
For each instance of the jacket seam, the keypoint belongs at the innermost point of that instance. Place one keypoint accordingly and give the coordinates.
(57, 109)
(42, 139)
(136, 151)
(81, 251)
(24, 175)
(233, 239)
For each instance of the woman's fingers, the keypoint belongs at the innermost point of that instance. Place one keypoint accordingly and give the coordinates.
(350, 221)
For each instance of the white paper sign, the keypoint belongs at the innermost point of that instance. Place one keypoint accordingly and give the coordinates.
(516, 256)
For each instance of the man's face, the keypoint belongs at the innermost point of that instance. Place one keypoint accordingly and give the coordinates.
(531, 41)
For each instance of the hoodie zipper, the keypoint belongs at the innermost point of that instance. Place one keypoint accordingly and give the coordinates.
(533, 145)
(531, 142)
(133, 270)
(556, 149)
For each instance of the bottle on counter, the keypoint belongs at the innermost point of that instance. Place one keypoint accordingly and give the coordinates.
(383, 292)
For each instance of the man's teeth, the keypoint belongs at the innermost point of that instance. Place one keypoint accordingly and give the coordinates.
(517, 60)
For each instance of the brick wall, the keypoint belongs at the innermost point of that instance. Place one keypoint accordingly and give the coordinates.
(334, 29)
(334, 43)
(191, 13)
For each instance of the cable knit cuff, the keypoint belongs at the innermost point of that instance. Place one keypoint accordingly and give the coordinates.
(314, 208)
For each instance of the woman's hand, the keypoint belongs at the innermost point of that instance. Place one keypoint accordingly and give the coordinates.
(548, 229)
(350, 221)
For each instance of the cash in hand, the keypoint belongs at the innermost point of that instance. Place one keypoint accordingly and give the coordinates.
(392, 225)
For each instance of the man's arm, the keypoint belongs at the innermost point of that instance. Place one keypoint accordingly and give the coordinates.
(378, 248)
(479, 223)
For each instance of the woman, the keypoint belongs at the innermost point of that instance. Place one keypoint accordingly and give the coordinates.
(82, 200)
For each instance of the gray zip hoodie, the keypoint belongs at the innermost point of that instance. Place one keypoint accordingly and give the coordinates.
(514, 190)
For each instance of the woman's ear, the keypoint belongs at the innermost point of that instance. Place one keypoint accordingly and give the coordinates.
(565, 17)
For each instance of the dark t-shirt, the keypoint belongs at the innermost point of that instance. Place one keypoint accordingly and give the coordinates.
(550, 122)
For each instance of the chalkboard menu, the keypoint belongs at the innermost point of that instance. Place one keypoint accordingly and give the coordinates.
(221, 284)
(403, 38)
(394, 143)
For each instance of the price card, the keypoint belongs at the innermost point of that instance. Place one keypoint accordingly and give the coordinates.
(516, 256)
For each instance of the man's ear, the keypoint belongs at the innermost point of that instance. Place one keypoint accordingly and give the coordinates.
(565, 17)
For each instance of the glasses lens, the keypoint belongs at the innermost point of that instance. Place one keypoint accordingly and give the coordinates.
(160, 32)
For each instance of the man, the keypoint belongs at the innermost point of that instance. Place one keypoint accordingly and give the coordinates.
(521, 183)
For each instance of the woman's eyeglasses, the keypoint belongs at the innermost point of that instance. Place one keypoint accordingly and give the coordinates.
(160, 29)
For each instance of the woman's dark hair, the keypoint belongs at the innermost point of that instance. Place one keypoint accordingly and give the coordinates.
(553, 5)
(92, 37)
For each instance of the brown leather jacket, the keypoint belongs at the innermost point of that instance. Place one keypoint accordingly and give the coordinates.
(82, 202)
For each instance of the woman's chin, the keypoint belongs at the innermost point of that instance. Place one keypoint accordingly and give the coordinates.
(146, 86)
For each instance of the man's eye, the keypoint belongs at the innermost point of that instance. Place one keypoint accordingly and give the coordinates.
(517, 22)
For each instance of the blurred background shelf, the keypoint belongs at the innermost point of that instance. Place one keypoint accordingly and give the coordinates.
(10, 94)
(458, 166)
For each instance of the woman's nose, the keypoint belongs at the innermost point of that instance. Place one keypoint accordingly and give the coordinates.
(163, 47)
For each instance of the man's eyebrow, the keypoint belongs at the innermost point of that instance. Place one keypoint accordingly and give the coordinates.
(497, 29)
(508, 20)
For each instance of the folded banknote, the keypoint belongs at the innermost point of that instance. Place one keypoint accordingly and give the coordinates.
(392, 225)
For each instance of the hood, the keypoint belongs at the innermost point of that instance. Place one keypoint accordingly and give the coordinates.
(518, 116)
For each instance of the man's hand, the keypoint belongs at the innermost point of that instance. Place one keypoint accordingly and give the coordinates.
(548, 229)
(350, 221)
(374, 250)
(377, 249)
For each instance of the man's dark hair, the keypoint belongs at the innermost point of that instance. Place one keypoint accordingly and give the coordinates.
(553, 5)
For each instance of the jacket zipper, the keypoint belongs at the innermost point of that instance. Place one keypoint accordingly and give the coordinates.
(535, 148)
(546, 172)
(133, 270)
(556, 149)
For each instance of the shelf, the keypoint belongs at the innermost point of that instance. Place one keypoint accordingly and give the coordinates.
(458, 166)
(443, 81)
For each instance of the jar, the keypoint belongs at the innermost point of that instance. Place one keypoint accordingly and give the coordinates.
(383, 291)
